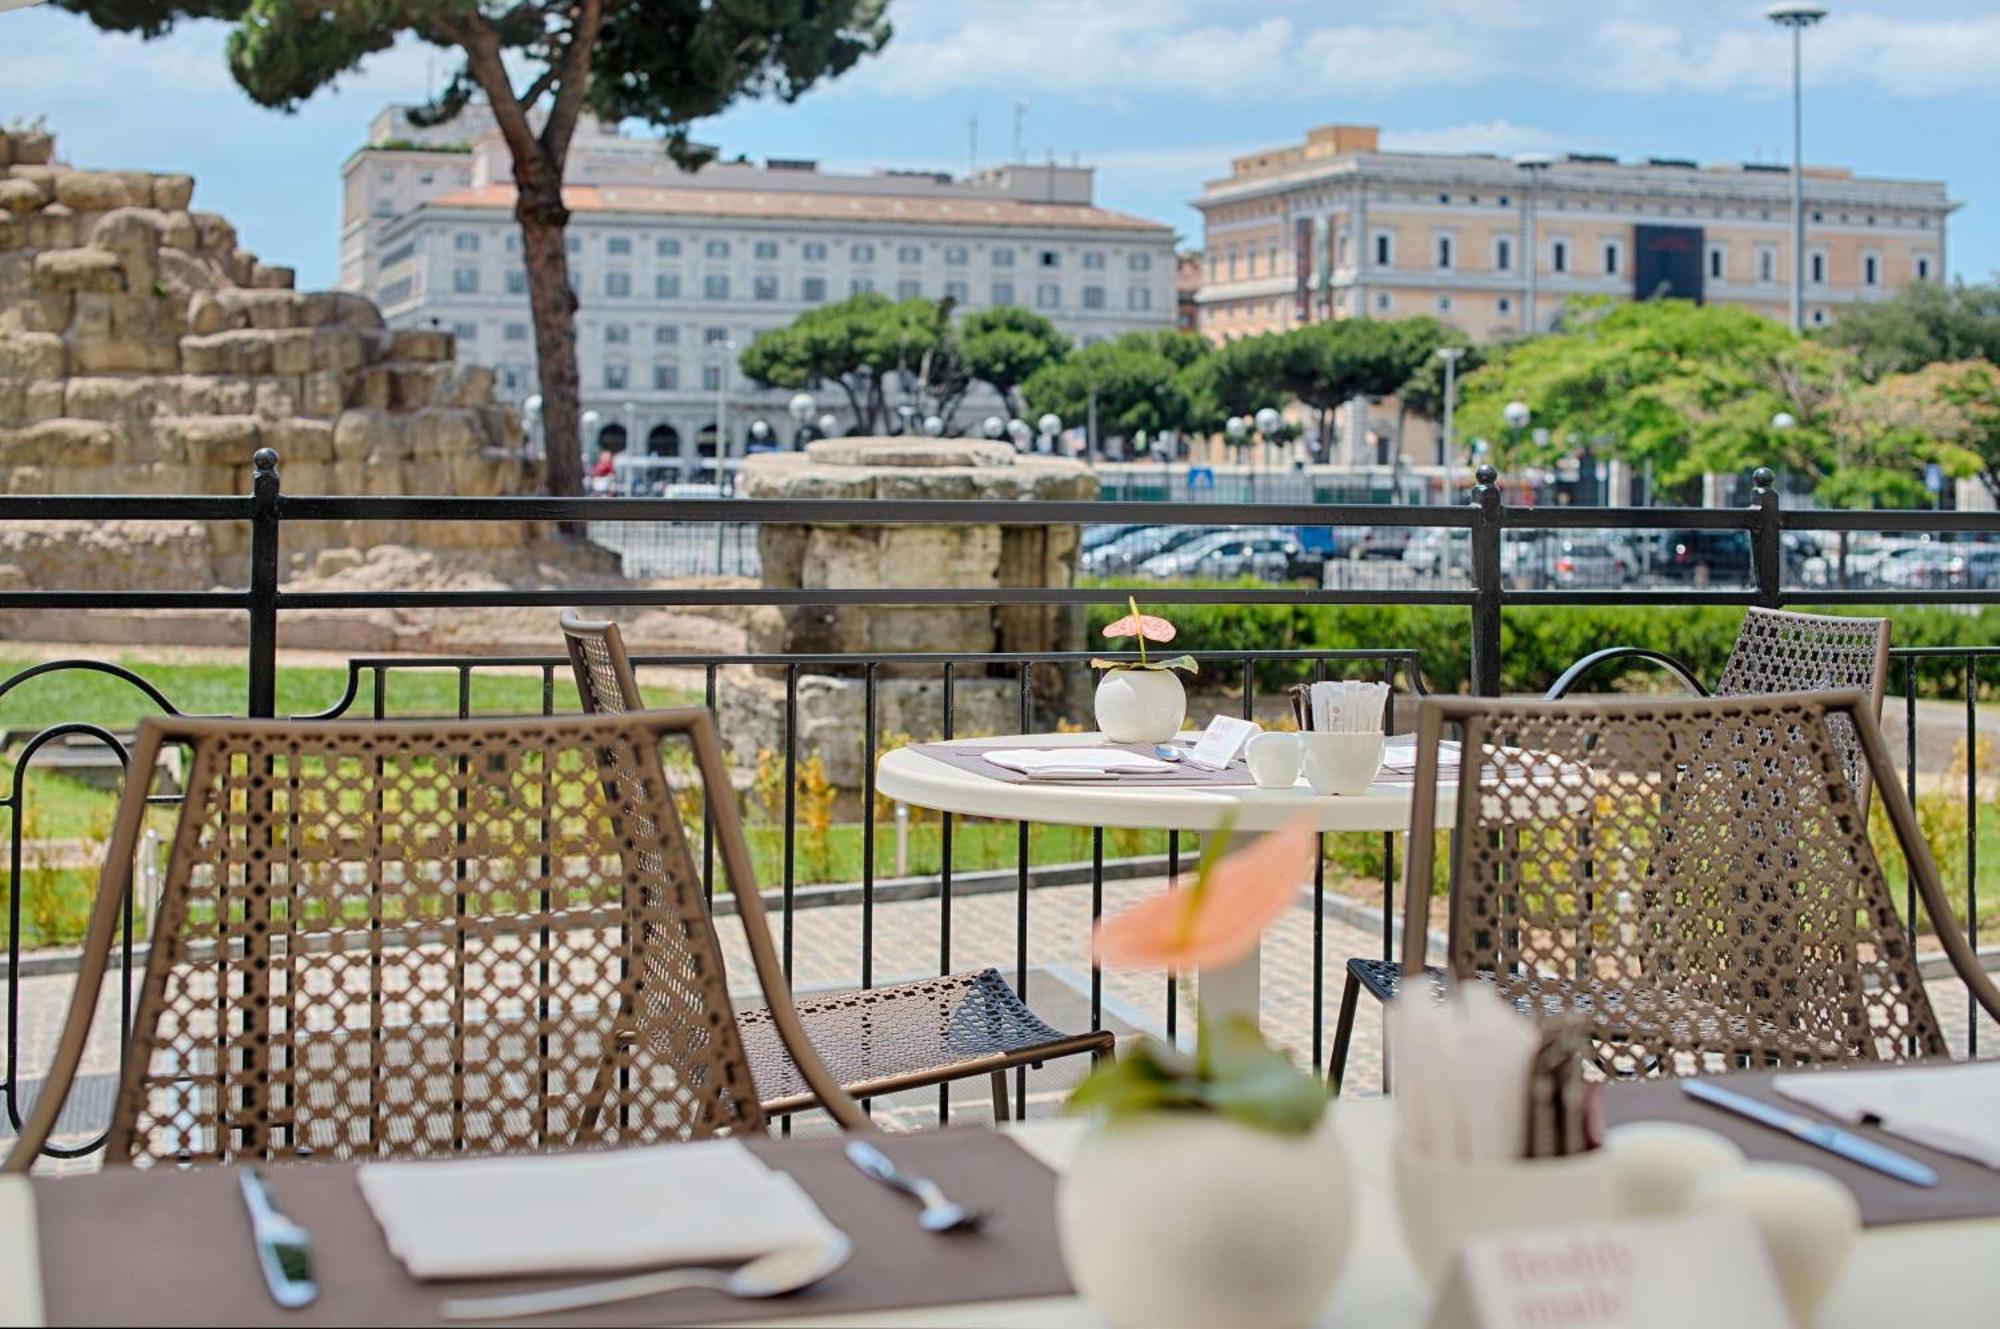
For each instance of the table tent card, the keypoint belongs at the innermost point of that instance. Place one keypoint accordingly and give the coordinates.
(1672, 1273)
(1221, 741)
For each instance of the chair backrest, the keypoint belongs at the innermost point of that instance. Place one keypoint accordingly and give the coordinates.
(604, 679)
(1777, 650)
(425, 939)
(1693, 876)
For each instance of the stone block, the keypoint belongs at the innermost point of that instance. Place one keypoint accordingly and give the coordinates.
(292, 351)
(300, 442)
(123, 400)
(33, 355)
(441, 433)
(211, 440)
(320, 393)
(53, 227)
(13, 231)
(18, 195)
(177, 230)
(245, 351)
(214, 233)
(424, 344)
(271, 276)
(277, 396)
(79, 270)
(355, 311)
(205, 394)
(58, 444)
(370, 388)
(90, 317)
(341, 348)
(413, 387)
(206, 314)
(25, 479)
(365, 434)
(95, 191)
(31, 147)
(173, 193)
(43, 401)
(257, 309)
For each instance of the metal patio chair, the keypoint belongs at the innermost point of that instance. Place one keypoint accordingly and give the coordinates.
(877, 1040)
(1775, 651)
(428, 938)
(1692, 877)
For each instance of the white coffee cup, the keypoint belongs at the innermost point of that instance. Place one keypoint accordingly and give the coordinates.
(1342, 763)
(1275, 760)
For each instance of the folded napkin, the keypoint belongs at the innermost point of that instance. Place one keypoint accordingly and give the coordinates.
(1949, 1108)
(1076, 763)
(1399, 756)
(710, 1201)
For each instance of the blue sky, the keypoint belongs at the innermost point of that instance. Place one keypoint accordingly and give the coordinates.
(1156, 93)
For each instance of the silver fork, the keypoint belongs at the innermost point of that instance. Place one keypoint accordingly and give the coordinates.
(940, 1214)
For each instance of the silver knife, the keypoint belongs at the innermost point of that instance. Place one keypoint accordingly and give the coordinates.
(1845, 1144)
(284, 1249)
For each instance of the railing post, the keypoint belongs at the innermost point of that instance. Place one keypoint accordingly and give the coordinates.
(263, 701)
(1486, 582)
(1766, 544)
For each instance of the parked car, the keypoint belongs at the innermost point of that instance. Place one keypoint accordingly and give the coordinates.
(1707, 556)
(1127, 552)
(1098, 534)
(1263, 553)
(1586, 565)
(1434, 551)
(1381, 541)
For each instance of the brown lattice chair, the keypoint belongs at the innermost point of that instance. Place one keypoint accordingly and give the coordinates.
(425, 939)
(877, 1040)
(1775, 651)
(1691, 876)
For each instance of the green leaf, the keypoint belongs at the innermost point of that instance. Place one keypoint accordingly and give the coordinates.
(1252, 1082)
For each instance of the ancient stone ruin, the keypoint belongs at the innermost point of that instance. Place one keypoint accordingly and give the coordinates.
(144, 350)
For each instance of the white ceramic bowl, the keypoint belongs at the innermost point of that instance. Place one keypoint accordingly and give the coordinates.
(1342, 763)
(1275, 760)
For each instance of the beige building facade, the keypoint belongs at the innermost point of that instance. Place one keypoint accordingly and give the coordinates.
(1334, 227)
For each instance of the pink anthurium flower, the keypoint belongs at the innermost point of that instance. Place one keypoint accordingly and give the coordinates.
(1146, 627)
(1219, 918)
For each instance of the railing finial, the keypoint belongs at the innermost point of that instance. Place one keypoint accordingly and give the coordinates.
(264, 461)
(1486, 477)
(1763, 479)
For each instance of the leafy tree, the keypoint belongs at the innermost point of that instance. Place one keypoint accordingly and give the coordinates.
(1323, 365)
(1005, 346)
(1923, 323)
(539, 64)
(1143, 381)
(860, 345)
(1954, 406)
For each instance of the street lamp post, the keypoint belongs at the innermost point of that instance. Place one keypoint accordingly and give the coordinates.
(722, 407)
(801, 408)
(1451, 356)
(531, 416)
(1534, 163)
(1049, 425)
(1798, 16)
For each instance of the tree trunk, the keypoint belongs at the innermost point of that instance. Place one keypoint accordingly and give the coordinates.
(540, 211)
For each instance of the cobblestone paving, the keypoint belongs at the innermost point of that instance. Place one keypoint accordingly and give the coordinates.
(826, 954)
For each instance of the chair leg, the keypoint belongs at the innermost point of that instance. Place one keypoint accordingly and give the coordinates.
(999, 1097)
(1343, 1032)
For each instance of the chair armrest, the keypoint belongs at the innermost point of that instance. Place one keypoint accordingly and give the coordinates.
(1573, 675)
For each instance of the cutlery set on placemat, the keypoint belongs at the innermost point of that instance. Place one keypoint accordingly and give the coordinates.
(435, 1220)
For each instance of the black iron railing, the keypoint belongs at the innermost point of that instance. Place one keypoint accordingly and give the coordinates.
(1485, 595)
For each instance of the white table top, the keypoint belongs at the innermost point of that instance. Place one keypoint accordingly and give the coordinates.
(909, 776)
(1918, 1275)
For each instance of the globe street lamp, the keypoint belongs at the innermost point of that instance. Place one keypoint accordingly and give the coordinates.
(1797, 16)
(531, 416)
(801, 407)
(1534, 163)
(1517, 415)
(827, 426)
(934, 425)
(1049, 426)
(1451, 355)
(1783, 420)
(1018, 430)
(993, 426)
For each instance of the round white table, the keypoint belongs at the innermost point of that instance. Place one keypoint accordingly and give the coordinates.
(907, 775)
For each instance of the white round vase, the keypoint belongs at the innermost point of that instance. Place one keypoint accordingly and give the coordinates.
(1140, 705)
(1191, 1219)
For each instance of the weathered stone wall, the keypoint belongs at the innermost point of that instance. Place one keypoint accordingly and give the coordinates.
(144, 350)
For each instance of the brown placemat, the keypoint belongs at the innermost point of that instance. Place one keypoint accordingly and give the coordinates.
(173, 1247)
(967, 757)
(1964, 1189)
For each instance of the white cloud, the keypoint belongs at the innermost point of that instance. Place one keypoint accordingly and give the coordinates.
(1498, 136)
(1907, 57)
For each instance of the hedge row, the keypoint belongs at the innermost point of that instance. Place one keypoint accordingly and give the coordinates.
(1537, 643)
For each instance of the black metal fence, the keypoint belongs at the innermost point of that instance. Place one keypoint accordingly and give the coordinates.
(1485, 598)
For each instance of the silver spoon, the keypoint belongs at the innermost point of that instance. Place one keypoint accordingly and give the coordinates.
(939, 1215)
(1165, 753)
(787, 1269)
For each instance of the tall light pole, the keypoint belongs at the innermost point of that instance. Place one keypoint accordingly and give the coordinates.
(1534, 163)
(1450, 355)
(1798, 16)
(722, 406)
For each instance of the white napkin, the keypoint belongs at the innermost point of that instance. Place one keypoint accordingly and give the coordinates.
(1949, 1108)
(710, 1201)
(20, 1257)
(1075, 763)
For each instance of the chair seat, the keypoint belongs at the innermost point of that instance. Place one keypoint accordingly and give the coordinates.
(1380, 977)
(907, 1035)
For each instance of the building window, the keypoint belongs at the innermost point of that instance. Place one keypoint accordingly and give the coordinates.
(862, 253)
(711, 378)
(1767, 265)
(909, 253)
(517, 283)
(1140, 262)
(617, 285)
(1003, 258)
(573, 244)
(909, 289)
(764, 288)
(1049, 258)
(1003, 293)
(465, 331)
(1048, 296)
(1249, 262)
(397, 291)
(1139, 298)
(954, 255)
(617, 334)
(1871, 270)
(1816, 266)
(1923, 267)
(1093, 261)
(514, 332)
(618, 245)
(1385, 249)
(956, 290)
(860, 286)
(384, 208)
(465, 280)
(715, 286)
(1819, 317)
(812, 290)
(666, 334)
(466, 242)
(1382, 300)
(666, 378)
(1716, 259)
(716, 249)
(714, 336)
(1504, 305)
(1444, 251)
(426, 177)
(1093, 297)
(1559, 256)
(1611, 259)
(616, 376)
(513, 243)
(765, 249)
(813, 251)
(1444, 304)
(1503, 254)
(1271, 261)
(666, 286)
(667, 247)
(512, 378)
